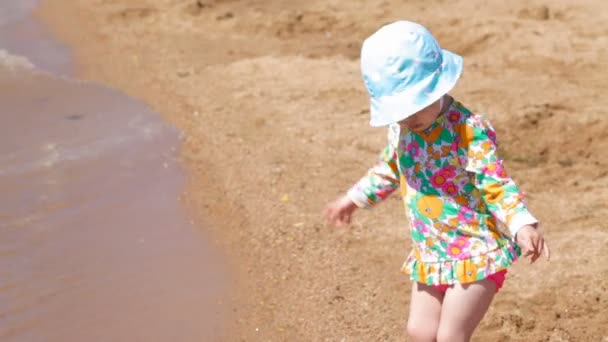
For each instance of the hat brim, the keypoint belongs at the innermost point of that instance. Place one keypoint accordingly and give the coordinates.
(386, 110)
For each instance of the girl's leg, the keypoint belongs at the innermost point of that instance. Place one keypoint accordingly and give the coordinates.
(425, 311)
(463, 308)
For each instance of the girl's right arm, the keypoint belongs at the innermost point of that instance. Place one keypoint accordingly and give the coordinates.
(380, 181)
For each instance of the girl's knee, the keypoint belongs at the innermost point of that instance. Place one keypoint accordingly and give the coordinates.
(451, 334)
(421, 331)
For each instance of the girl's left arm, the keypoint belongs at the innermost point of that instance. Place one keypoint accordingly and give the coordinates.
(499, 192)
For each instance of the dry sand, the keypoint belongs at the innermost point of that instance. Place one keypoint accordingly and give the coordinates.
(274, 117)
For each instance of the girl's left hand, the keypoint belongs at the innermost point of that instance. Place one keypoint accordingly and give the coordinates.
(532, 243)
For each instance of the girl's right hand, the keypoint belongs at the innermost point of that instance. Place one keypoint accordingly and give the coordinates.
(339, 212)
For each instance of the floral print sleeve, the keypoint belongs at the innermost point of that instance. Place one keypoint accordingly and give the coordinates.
(381, 180)
(499, 192)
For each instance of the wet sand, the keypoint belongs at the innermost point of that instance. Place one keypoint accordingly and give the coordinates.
(95, 244)
(275, 121)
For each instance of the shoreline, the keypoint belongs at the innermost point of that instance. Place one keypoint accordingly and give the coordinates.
(207, 214)
(267, 96)
(94, 237)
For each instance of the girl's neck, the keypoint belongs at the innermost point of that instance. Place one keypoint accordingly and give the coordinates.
(446, 103)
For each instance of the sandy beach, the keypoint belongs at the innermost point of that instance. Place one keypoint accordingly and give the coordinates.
(274, 122)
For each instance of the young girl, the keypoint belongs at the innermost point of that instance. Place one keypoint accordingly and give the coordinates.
(454, 187)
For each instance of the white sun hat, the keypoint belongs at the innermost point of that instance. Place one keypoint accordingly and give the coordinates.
(405, 70)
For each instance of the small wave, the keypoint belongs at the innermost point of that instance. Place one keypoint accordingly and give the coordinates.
(50, 154)
(14, 62)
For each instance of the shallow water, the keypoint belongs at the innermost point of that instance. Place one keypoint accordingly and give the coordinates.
(94, 245)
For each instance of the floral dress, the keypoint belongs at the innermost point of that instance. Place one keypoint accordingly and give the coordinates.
(455, 190)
